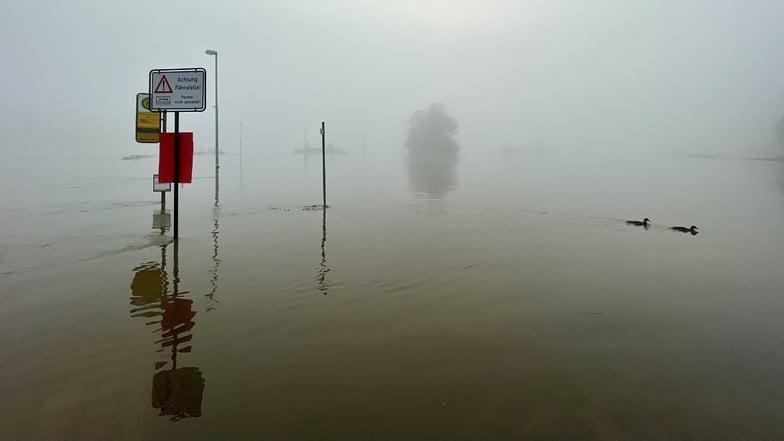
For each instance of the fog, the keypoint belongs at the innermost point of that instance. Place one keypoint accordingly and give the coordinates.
(604, 76)
(556, 97)
(475, 272)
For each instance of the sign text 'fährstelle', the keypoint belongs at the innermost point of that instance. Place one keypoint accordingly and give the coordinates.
(178, 90)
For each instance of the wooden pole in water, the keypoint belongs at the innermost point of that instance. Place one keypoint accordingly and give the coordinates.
(323, 166)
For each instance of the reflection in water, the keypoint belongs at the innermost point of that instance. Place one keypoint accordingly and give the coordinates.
(693, 230)
(176, 391)
(161, 220)
(323, 270)
(216, 261)
(432, 173)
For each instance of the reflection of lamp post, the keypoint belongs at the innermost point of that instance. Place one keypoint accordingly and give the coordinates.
(217, 148)
(214, 271)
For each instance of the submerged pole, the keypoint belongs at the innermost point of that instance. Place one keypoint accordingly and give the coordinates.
(323, 166)
(163, 130)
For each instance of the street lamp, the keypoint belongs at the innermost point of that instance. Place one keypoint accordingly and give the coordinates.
(217, 147)
(240, 123)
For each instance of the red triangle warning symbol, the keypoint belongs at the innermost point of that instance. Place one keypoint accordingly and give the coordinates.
(163, 86)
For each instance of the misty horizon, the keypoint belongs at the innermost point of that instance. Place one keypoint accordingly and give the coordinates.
(694, 77)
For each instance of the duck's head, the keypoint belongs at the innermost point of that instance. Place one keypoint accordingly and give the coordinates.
(693, 228)
(646, 221)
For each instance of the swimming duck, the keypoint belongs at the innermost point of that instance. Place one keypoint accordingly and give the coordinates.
(692, 229)
(643, 223)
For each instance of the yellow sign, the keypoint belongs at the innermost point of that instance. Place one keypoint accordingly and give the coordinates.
(148, 124)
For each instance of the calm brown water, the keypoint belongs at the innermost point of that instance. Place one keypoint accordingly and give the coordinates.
(489, 298)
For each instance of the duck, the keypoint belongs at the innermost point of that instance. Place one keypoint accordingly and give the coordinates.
(642, 223)
(692, 229)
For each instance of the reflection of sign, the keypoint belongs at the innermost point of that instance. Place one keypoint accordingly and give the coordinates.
(178, 392)
(166, 158)
(161, 220)
(158, 187)
(148, 124)
(146, 289)
(180, 90)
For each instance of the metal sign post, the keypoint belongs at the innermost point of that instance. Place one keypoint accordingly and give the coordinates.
(163, 130)
(157, 187)
(176, 173)
(177, 90)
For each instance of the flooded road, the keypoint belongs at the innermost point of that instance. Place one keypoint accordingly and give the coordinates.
(495, 296)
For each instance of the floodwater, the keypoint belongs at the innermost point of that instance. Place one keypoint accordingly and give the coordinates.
(485, 296)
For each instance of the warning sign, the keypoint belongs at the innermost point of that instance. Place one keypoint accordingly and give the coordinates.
(163, 85)
(178, 90)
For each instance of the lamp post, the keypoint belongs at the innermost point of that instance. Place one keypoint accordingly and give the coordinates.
(240, 123)
(217, 147)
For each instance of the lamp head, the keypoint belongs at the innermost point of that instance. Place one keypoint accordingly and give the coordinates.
(211, 52)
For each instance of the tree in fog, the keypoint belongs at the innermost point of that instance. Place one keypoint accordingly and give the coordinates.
(432, 130)
(432, 151)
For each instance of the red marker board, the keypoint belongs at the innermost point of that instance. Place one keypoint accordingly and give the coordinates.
(166, 158)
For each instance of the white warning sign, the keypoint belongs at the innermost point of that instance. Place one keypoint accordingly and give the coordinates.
(178, 90)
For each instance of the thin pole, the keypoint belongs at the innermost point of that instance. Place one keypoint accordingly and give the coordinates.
(163, 130)
(323, 165)
(240, 151)
(176, 172)
(217, 147)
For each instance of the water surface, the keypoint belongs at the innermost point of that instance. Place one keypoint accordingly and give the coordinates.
(489, 296)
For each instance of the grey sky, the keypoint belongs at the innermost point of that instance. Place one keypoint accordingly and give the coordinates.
(631, 75)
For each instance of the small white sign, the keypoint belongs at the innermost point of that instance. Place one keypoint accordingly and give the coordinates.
(158, 187)
(178, 90)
